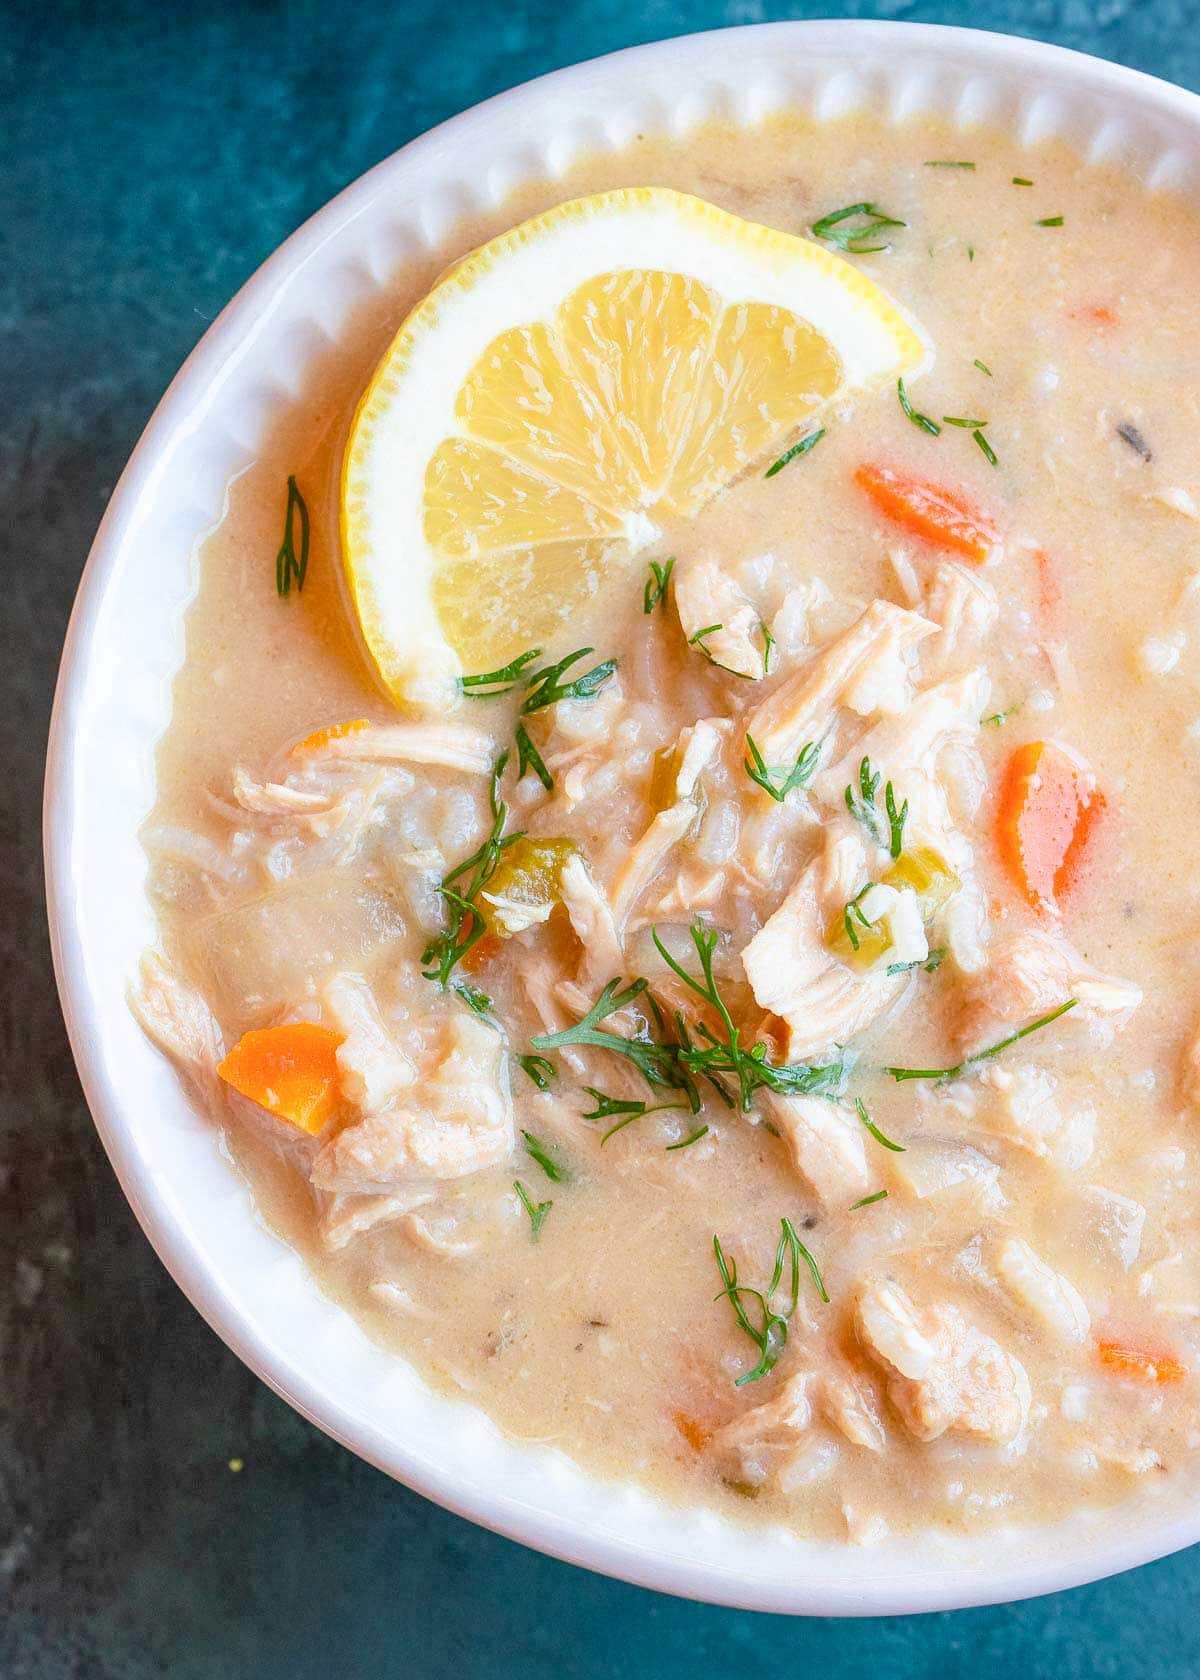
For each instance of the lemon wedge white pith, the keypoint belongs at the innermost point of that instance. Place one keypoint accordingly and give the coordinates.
(597, 371)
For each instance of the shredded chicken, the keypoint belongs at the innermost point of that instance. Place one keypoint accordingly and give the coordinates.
(374, 1069)
(792, 971)
(457, 746)
(825, 1145)
(1030, 973)
(280, 799)
(177, 1019)
(848, 1401)
(594, 924)
(708, 600)
(943, 1373)
(963, 604)
(344, 1215)
(461, 1124)
(1047, 1294)
(866, 669)
(756, 1444)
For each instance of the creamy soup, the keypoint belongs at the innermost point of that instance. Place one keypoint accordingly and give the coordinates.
(865, 840)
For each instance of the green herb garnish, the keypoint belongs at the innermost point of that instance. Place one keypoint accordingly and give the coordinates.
(946, 163)
(984, 368)
(983, 443)
(780, 782)
(1050, 221)
(853, 913)
(849, 227)
(474, 999)
(537, 1151)
(540, 1069)
(656, 585)
(529, 758)
(488, 684)
(896, 820)
(658, 1063)
(630, 1110)
(537, 1211)
(862, 807)
(900, 1073)
(1020, 181)
(797, 449)
(465, 922)
(693, 1137)
(289, 566)
(930, 963)
(546, 689)
(954, 420)
(768, 645)
(865, 1201)
(918, 419)
(860, 1109)
(770, 1334)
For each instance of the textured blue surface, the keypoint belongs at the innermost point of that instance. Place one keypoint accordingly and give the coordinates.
(150, 156)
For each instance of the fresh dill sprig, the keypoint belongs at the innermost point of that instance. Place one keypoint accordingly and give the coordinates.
(984, 368)
(768, 647)
(474, 998)
(896, 820)
(546, 688)
(901, 1073)
(1021, 181)
(795, 452)
(698, 639)
(861, 805)
(656, 585)
(848, 228)
(540, 1069)
(954, 420)
(930, 963)
(917, 418)
(866, 1201)
(537, 1211)
(486, 685)
(946, 163)
(770, 1334)
(727, 1056)
(629, 1110)
(537, 1151)
(1049, 221)
(465, 922)
(853, 913)
(780, 782)
(657, 1062)
(860, 1108)
(529, 758)
(693, 1137)
(289, 566)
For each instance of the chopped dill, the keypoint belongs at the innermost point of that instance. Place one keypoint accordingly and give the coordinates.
(866, 1201)
(984, 368)
(901, 1073)
(693, 1137)
(657, 584)
(770, 1334)
(658, 1063)
(860, 1109)
(465, 922)
(1021, 181)
(768, 645)
(474, 999)
(537, 1211)
(794, 453)
(546, 687)
(983, 443)
(917, 418)
(955, 420)
(289, 566)
(848, 228)
(540, 1069)
(488, 684)
(780, 782)
(946, 163)
(896, 820)
(1050, 221)
(537, 1151)
(529, 758)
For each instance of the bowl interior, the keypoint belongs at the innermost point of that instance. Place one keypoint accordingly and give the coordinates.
(113, 703)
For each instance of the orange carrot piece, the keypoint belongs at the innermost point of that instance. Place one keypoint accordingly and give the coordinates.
(1096, 315)
(291, 1071)
(939, 515)
(482, 952)
(1047, 814)
(322, 737)
(1149, 1365)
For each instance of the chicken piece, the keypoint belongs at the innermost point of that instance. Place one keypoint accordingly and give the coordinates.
(943, 1373)
(1027, 975)
(1114, 1223)
(456, 746)
(1036, 1286)
(374, 1069)
(946, 714)
(462, 1123)
(757, 1443)
(963, 604)
(280, 799)
(792, 971)
(649, 854)
(343, 1215)
(848, 1401)
(825, 1145)
(866, 669)
(595, 927)
(698, 746)
(1025, 1112)
(176, 1018)
(707, 599)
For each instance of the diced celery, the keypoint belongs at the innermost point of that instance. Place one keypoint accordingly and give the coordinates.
(527, 883)
(862, 944)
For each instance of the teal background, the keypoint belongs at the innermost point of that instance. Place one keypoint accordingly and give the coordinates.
(151, 155)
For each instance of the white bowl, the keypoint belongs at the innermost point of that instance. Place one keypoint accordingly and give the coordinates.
(126, 641)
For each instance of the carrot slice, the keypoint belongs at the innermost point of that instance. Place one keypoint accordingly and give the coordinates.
(482, 952)
(1150, 1365)
(1048, 810)
(692, 1430)
(322, 737)
(291, 1071)
(939, 515)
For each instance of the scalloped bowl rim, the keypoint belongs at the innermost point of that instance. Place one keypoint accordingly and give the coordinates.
(125, 642)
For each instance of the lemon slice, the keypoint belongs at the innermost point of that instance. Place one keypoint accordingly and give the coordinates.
(567, 390)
